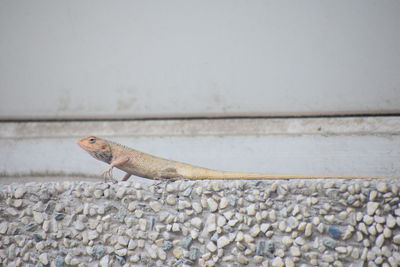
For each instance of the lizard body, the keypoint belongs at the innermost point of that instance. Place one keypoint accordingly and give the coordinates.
(138, 163)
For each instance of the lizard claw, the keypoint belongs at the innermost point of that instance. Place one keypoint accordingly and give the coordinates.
(107, 174)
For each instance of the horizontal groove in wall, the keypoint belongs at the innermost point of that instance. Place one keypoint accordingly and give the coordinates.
(377, 125)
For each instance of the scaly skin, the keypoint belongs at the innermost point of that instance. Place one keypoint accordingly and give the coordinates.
(134, 162)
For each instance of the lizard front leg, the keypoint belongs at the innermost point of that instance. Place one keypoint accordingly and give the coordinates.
(116, 163)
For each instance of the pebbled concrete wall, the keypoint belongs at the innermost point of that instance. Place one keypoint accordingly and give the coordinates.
(151, 223)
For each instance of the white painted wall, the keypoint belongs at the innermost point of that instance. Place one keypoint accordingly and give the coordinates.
(126, 59)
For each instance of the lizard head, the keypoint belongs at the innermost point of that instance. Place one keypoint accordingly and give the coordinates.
(100, 149)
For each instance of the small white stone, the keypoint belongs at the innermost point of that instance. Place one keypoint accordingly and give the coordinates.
(176, 227)
(329, 218)
(211, 246)
(255, 230)
(251, 210)
(265, 263)
(3, 227)
(264, 227)
(79, 225)
(196, 222)
(308, 231)
(20, 192)
(380, 240)
(272, 216)
(92, 235)
(295, 251)
(368, 220)
(372, 207)
(289, 262)
(390, 221)
(104, 261)
(155, 205)
(387, 233)
(223, 203)
(132, 244)
(242, 259)
(123, 240)
(38, 217)
(142, 224)
(212, 205)
(221, 221)
(342, 250)
(296, 210)
(382, 187)
(197, 207)
(171, 200)
(355, 254)
(327, 258)
(396, 239)
(120, 192)
(287, 241)
(223, 241)
(121, 252)
(43, 258)
(277, 262)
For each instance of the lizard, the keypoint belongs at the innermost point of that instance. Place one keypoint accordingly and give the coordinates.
(145, 165)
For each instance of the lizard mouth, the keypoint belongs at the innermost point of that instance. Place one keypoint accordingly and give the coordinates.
(82, 144)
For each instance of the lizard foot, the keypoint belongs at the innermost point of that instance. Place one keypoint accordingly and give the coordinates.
(107, 174)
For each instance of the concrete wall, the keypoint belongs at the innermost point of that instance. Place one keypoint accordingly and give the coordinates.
(83, 59)
(336, 146)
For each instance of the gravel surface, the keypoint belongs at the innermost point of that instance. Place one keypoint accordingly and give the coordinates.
(184, 223)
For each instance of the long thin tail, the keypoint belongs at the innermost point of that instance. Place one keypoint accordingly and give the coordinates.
(208, 174)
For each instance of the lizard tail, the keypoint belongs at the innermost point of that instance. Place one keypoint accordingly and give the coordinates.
(208, 174)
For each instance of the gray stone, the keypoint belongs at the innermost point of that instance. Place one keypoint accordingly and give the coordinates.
(382, 187)
(277, 262)
(197, 223)
(155, 206)
(44, 259)
(212, 205)
(223, 241)
(396, 239)
(20, 192)
(186, 242)
(372, 207)
(251, 210)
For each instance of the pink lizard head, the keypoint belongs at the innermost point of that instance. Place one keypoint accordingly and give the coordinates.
(97, 147)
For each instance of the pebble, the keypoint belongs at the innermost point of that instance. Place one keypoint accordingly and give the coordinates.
(372, 207)
(287, 241)
(396, 239)
(242, 259)
(171, 200)
(197, 222)
(155, 206)
(308, 230)
(390, 221)
(223, 241)
(251, 210)
(295, 251)
(211, 246)
(43, 258)
(20, 192)
(277, 262)
(382, 187)
(212, 204)
(334, 232)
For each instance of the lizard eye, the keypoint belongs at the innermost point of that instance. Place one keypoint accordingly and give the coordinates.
(92, 140)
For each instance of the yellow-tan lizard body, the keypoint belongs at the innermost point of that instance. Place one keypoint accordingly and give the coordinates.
(134, 162)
